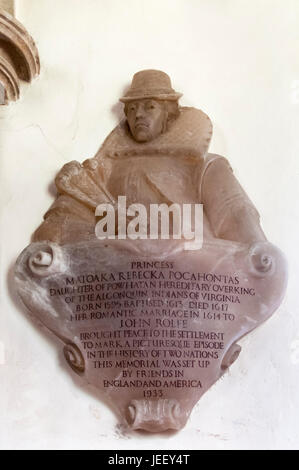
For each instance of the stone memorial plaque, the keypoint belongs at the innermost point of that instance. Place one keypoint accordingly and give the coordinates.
(153, 327)
(151, 321)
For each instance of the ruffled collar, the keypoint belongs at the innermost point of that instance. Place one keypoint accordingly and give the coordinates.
(188, 135)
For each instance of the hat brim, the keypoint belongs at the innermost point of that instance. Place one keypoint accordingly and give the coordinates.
(164, 97)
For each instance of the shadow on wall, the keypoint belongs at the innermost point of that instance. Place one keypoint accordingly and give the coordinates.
(118, 108)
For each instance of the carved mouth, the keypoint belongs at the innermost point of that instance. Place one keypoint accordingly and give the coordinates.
(141, 125)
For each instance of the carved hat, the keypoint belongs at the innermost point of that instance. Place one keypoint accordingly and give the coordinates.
(151, 84)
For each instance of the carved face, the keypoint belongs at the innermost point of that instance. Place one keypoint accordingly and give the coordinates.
(146, 119)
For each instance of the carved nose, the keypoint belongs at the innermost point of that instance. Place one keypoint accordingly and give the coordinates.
(139, 111)
(155, 415)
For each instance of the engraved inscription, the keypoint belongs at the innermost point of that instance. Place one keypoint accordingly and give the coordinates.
(153, 323)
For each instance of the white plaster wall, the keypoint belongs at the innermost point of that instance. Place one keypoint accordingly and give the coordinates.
(238, 61)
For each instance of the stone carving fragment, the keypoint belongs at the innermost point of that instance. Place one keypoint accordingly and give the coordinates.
(19, 59)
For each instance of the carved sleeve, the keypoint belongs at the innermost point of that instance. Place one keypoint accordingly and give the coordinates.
(231, 213)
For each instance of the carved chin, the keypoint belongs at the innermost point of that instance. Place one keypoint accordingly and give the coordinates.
(142, 135)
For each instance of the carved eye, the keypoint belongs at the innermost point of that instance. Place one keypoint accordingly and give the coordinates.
(150, 106)
(132, 107)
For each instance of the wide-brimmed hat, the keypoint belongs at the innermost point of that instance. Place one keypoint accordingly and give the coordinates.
(151, 84)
